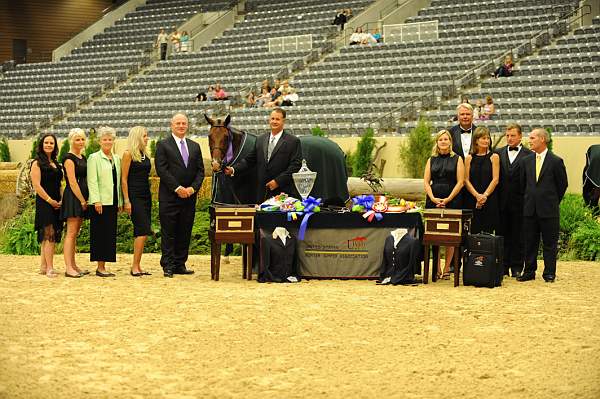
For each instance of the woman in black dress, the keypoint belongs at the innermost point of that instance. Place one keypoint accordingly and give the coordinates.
(135, 170)
(74, 203)
(106, 199)
(46, 177)
(482, 171)
(443, 180)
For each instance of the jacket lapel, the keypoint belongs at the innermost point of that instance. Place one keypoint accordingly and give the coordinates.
(265, 145)
(545, 165)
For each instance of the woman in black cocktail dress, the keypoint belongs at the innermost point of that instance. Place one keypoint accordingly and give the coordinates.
(135, 171)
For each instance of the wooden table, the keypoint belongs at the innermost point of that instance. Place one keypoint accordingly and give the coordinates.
(231, 224)
(444, 227)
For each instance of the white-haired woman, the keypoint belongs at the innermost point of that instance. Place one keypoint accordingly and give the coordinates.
(104, 178)
(74, 203)
(135, 170)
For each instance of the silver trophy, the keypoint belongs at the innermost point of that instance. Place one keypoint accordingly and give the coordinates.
(304, 180)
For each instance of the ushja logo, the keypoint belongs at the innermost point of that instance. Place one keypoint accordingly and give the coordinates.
(357, 243)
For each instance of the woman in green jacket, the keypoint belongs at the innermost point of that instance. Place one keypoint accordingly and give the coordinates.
(105, 200)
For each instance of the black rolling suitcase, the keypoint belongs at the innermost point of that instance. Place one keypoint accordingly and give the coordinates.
(484, 263)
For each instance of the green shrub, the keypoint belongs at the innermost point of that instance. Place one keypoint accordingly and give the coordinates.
(362, 159)
(33, 152)
(573, 212)
(550, 141)
(585, 241)
(317, 131)
(92, 145)
(4, 150)
(416, 150)
(349, 158)
(19, 236)
(64, 150)
(153, 148)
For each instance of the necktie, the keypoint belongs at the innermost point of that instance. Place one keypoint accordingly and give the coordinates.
(270, 148)
(184, 153)
(538, 166)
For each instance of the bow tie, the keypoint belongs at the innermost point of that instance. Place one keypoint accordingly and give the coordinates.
(513, 148)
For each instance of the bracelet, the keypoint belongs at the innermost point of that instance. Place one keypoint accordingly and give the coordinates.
(48, 199)
(127, 202)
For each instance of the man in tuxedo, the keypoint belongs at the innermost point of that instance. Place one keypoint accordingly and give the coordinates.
(276, 155)
(545, 186)
(180, 167)
(510, 189)
(462, 133)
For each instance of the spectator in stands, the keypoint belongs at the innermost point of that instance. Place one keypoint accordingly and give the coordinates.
(220, 94)
(74, 204)
(161, 43)
(285, 87)
(340, 19)
(276, 99)
(277, 85)
(489, 109)
(185, 42)
(201, 96)
(377, 36)
(357, 36)
(506, 68)
(264, 98)
(290, 98)
(251, 99)
(348, 13)
(46, 178)
(265, 85)
(477, 109)
(106, 199)
(210, 93)
(482, 174)
(176, 41)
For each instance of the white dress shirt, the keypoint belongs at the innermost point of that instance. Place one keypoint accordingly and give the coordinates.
(512, 155)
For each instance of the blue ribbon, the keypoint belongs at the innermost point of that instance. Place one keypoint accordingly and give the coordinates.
(309, 209)
(364, 201)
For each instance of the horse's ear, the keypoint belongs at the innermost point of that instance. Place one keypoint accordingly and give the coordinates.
(227, 120)
(210, 121)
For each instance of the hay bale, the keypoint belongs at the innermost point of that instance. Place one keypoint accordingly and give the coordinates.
(10, 165)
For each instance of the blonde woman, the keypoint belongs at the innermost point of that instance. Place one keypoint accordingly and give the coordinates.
(443, 181)
(106, 197)
(135, 170)
(74, 204)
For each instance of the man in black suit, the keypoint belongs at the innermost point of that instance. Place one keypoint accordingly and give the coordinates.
(545, 186)
(276, 155)
(180, 167)
(511, 191)
(462, 133)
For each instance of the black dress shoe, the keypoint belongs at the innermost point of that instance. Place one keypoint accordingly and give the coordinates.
(516, 275)
(183, 271)
(526, 277)
(549, 279)
(168, 274)
(104, 274)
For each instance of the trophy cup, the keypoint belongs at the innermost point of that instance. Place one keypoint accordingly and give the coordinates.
(304, 180)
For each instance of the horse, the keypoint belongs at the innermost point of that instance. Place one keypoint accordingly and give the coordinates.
(227, 145)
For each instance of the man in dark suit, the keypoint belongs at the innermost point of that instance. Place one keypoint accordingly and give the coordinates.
(511, 191)
(462, 133)
(545, 186)
(180, 167)
(276, 155)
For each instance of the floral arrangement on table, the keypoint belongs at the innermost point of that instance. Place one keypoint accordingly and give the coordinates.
(374, 206)
(294, 209)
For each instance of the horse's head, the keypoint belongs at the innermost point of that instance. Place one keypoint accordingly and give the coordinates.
(219, 138)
